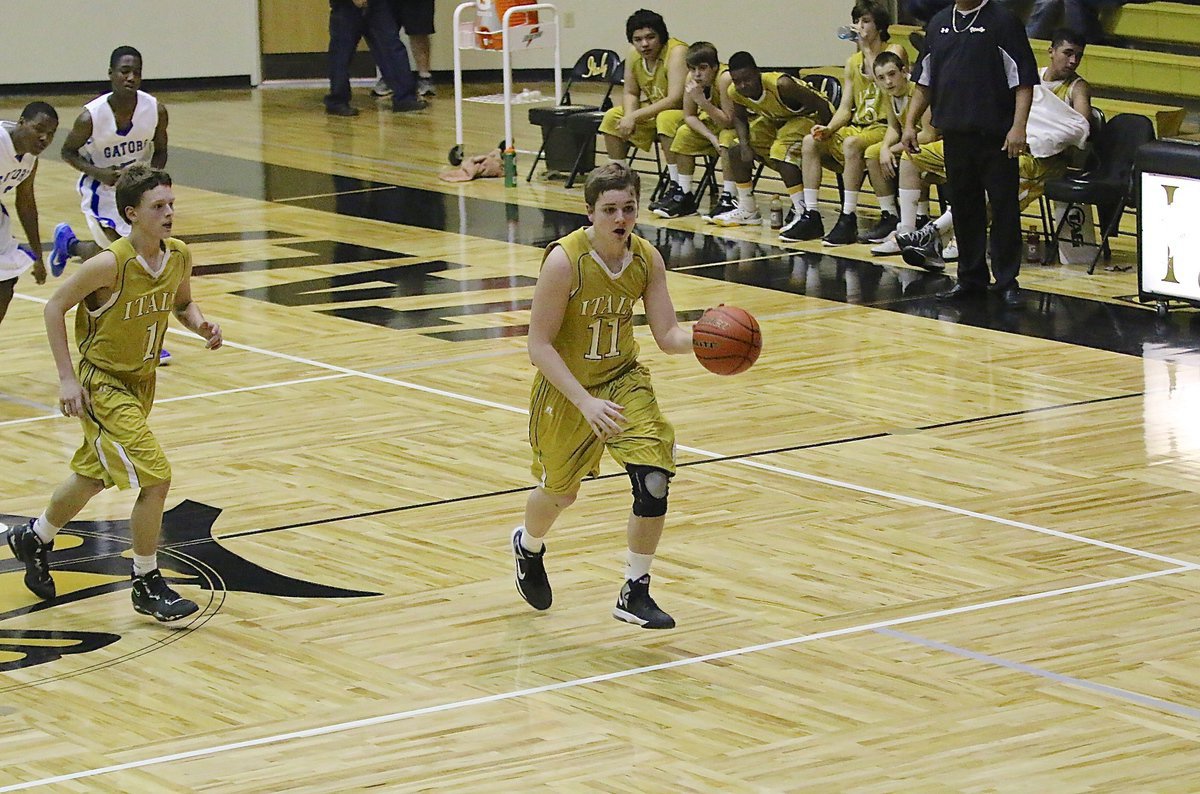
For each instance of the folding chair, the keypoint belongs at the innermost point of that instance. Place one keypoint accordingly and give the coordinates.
(588, 122)
(1108, 185)
(594, 66)
(1083, 162)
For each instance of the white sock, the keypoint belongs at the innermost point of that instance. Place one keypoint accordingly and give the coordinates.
(425, 75)
(730, 187)
(143, 565)
(909, 200)
(944, 223)
(922, 207)
(746, 199)
(638, 565)
(530, 543)
(811, 197)
(673, 172)
(685, 183)
(888, 204)
(44, 529)
(850, 202)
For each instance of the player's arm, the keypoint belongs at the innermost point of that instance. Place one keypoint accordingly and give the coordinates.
(718, 111)
(691, 112)
(188, 313)
(545, 319)
(803, 99)
(891, 137)
(98, 276)
(80, 132)
(28, 214)
(928, 133)
(660, 311)
(916, 109)
(159, 158)
(845, 110)
(1081, 100)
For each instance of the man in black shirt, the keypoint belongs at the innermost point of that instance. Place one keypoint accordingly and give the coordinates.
(977, 74)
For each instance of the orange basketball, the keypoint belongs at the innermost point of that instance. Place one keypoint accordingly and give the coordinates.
(726, 340)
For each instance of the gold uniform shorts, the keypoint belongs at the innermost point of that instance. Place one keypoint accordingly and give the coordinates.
(118, 447)
(565, 450)
(867, 135)
(666, 123)
(690, 143)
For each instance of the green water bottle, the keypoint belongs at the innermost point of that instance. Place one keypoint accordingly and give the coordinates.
(510, 167)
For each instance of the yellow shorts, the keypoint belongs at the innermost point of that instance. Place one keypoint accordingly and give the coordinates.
(866, 135)
(666, 123)
(771, 140)
(930, 160)
(1035, 171)
(565, 450)
(118, 447)
(692, 144)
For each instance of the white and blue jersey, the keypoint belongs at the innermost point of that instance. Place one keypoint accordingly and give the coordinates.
(14, 169)
(110, 147)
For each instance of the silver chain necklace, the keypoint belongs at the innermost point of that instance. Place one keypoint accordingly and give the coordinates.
(954, 16)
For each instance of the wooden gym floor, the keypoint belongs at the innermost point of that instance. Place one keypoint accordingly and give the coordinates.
(915, 548)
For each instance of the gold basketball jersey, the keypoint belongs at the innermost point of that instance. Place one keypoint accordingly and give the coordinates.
(1060, 88)
(869, 98)
(125, 335)
(653, 84)
(596, 337)
(769, 105)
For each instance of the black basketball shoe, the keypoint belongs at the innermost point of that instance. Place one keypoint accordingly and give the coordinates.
(532, 582)
(27, 547)
(153, 596)
(635, 606)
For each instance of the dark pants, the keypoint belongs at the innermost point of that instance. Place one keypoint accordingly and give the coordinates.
(348, 24)
(977, 165)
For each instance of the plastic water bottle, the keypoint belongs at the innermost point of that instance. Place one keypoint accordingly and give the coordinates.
(847, 33)
(510, 167)
(776, 213)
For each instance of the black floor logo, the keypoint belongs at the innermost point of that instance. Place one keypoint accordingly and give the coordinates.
(190, 555)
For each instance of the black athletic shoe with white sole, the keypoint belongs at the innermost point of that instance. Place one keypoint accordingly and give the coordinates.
(532, 582)
(882, 230)
(27, 547)
(152, 596)
(635, 606)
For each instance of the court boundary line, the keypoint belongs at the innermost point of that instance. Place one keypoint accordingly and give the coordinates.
(398, 716)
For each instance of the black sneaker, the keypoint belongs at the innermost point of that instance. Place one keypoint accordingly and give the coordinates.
(880, 231)
(920, 238)
(922, 221)
(153, 596)
(844, 232)
(27, 547)
(803, 227)
(668, 193)
(682, 205)
(927, 256)
(725, 203)
(635, 606)
(532, 583)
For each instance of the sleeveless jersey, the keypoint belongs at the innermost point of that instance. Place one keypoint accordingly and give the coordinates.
(14, 168)
(769, 105)
(124, 336)
(653, 84)
(868, 96)
(1060, 88)
(110, 147)
(596, 337)
(900, 104)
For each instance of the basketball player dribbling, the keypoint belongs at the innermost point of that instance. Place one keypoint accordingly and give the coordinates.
(591, 393)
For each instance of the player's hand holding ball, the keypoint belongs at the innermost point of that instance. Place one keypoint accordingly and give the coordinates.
(726, 340)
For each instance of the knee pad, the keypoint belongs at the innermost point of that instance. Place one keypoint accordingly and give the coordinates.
(650, 486)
